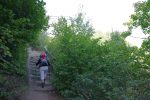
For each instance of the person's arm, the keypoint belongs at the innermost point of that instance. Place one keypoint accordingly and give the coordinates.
(38, 62)
(48, 62)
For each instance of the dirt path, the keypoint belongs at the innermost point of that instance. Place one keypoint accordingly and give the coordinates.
(35, 91)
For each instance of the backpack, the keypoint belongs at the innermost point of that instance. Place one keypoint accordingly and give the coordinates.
(44, 62)
(43, 58)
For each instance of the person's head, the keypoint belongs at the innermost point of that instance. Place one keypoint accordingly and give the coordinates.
(43, 55)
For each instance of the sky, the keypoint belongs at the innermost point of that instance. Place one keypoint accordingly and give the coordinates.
(104, 15)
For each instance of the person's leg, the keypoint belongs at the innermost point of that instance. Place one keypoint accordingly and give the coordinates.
(45, 72)
(42, 76)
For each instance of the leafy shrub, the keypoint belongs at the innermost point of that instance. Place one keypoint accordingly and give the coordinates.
(18, 28)
(88, 69)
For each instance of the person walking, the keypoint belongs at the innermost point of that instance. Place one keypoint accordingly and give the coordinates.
(43, 63)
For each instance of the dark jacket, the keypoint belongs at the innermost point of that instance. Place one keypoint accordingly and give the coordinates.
(39, 62)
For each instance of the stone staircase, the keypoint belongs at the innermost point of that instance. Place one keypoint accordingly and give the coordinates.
(35, 90)
(34, 74)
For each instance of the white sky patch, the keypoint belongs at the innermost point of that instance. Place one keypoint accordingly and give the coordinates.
(137, 37)
(104, 15)
(109, 14)
(62, 7)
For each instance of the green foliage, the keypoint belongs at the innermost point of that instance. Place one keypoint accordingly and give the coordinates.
(141, 58)
(20, 24)
(88, 69)
(68, 45)
(141, 17)
(10, 86)
(81, 26)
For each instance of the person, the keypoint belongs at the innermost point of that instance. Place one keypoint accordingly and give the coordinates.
(43, 63)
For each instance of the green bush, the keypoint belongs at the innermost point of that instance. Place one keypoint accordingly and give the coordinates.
(18, 28)
(88, 69)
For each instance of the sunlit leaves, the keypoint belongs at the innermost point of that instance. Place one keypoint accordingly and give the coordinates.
(141, 17)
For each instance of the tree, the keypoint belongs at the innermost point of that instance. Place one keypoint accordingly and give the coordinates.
(141, 17)
(21, 21)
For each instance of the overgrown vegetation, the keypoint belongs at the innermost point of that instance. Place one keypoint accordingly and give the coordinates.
(89, 69)
(21, 21)
(141, 17)
(85, 68)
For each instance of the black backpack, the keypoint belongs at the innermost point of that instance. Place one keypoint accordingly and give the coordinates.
(44, 62)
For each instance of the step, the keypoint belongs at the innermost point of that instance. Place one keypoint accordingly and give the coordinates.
(31, 75)
(36, 74)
